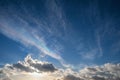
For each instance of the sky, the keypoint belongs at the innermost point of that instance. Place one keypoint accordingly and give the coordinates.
(60, 39)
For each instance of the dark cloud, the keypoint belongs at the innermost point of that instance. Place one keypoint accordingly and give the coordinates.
(97, 78)
(31, 65)
(44, 67)
(71, 77)
(92, 69)
(1, 71)
(103, 78)
(41, 66)
(6, 79)
(22, 67)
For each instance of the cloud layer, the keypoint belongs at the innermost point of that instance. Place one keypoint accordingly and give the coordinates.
(34, 69)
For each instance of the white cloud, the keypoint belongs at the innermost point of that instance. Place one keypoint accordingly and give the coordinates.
(23, 71)
(105, 72)
(56, 18)
(31, 65)
(89, 54)
(98, 39)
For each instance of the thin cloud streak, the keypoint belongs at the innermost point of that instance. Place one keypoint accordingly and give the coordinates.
(99, 44)
(29, 39)
(18, 27)
(56, 17)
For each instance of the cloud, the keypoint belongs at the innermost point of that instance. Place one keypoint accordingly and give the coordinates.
(97, 78)
(90, 55)
(40, 65)
(56, 17)
(6, 79)
(98, 39)
(34, 69)
(21, 67)
(28, 38)
(3, 76)
(31, 65)
(105, 72)
(71, 77)
(33, 31)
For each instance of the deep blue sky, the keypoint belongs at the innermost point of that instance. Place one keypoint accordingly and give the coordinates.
(75, 32)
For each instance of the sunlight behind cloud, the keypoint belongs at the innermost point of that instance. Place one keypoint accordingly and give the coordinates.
(67, 39)
(34, 69)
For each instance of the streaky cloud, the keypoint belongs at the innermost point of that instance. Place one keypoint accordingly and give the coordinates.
(18, 27)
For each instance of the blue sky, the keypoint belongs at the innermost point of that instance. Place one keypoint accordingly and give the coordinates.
(64, 32)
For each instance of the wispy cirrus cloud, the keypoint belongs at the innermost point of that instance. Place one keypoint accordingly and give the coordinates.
(27, 38)
(98, 40)
(56, 17)
(34, 31)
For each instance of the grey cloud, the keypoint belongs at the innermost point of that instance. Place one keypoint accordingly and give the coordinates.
(1, 71)
(31, 65)
(40, 66)
(44, 67)
(22, 67)
(6, 79)
(105, 72)
(3, 75)
(97, 78)
(71, 77)
(92, 69)
(102, 78)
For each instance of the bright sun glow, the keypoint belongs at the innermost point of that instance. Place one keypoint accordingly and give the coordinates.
(34, 74)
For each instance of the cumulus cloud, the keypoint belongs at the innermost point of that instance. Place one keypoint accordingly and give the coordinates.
(31, 65)
(34, 69)
(105, 72)
(21, 67)
(41, 66)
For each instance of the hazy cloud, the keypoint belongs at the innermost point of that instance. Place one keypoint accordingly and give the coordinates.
(56, 17)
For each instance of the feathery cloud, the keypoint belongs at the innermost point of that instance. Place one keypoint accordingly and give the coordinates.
(33, 31)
